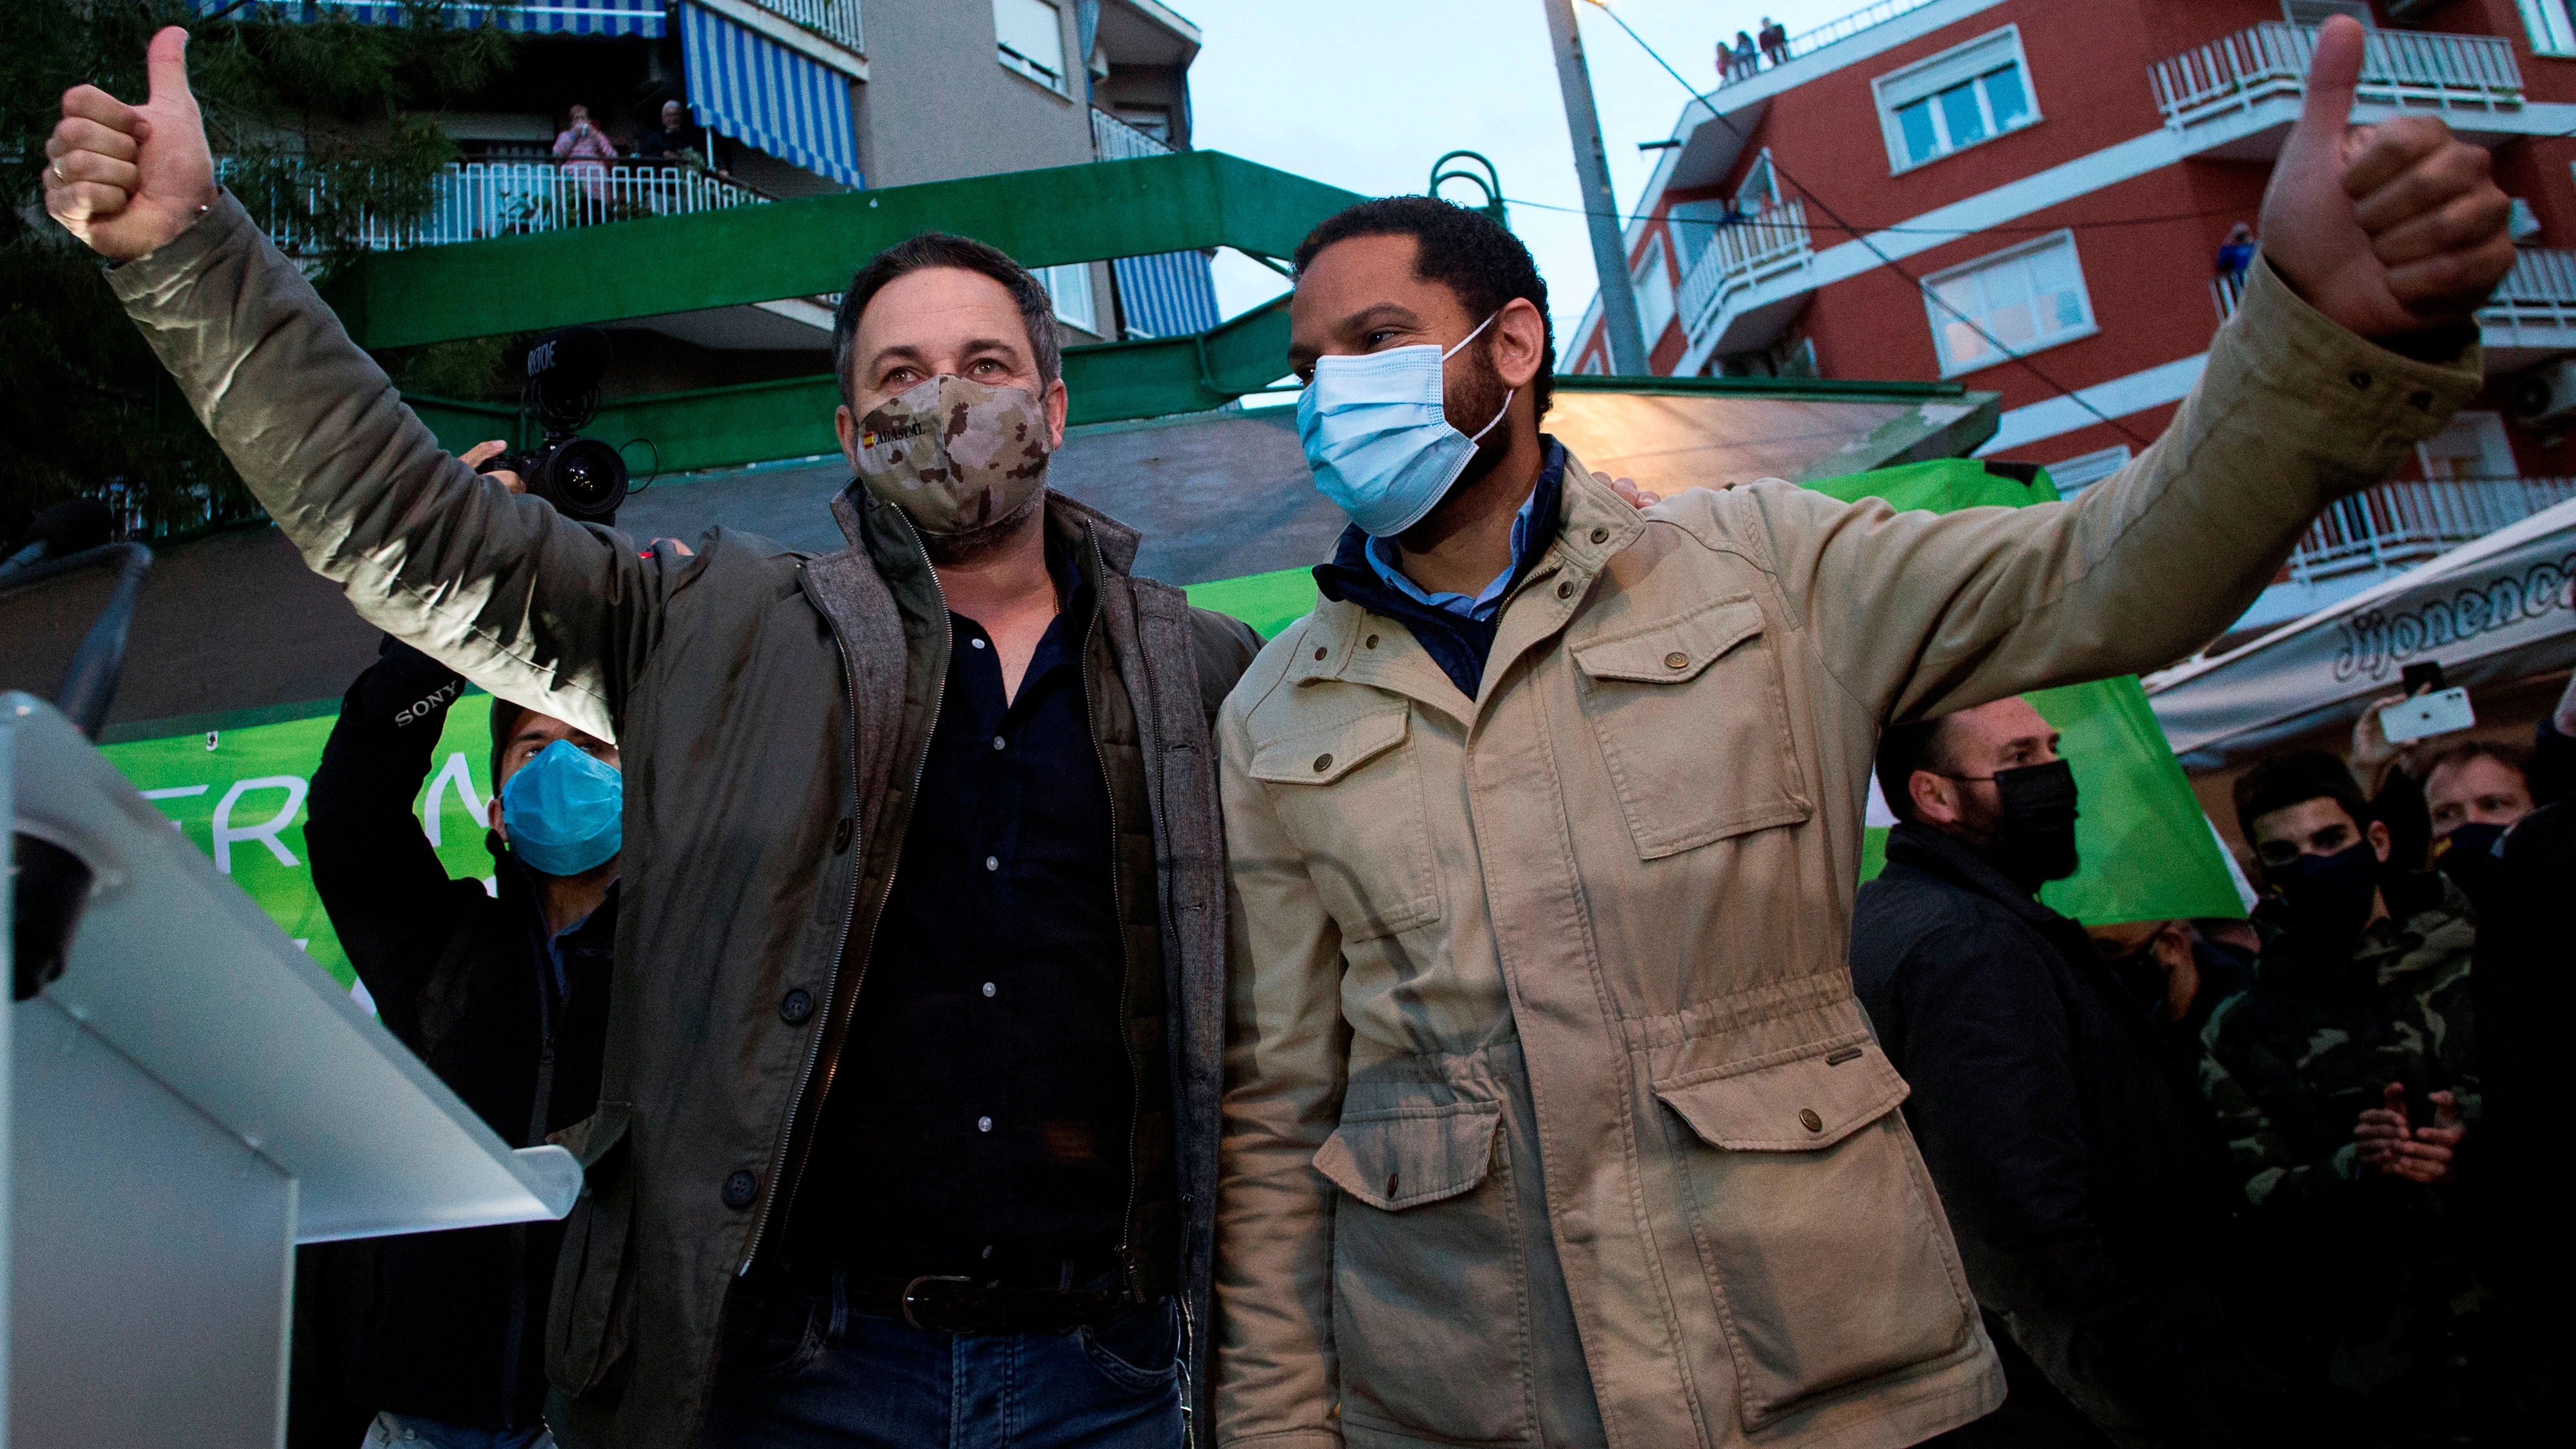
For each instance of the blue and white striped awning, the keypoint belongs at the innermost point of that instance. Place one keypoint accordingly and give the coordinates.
(533, 17)
(758, 91)
(1169, 294)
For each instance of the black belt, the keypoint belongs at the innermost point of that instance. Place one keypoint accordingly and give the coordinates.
(938, 1304)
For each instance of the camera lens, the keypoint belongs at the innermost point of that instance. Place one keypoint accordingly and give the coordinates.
(586, 479)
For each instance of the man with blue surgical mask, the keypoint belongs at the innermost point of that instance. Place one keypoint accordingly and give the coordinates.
(1550, 1116)
(501, 986)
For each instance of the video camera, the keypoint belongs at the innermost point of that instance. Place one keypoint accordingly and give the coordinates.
(584, 478)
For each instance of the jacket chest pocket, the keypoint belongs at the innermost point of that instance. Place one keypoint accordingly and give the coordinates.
(1815, 1222)
(1693, 727)
(1355, 803)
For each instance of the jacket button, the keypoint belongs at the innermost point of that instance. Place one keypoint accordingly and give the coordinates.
(1565, 590)
(1392, 1179)
(1808, 1119)
(2358, 378)
(840, 835)
(1600, 535)
(2420, 401)
(796, 1006)
(1319, 653)
(1369, 643)
(1323, 763)
(740, 1189)
(1677, 660)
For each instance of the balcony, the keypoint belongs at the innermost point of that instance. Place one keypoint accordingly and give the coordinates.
(2398, 525)
(2236, 96)
(2531, 317)
(834, 20)
(1747, 282)
(478, 200)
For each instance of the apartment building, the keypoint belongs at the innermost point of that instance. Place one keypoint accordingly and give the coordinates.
(2030, 196)
(794, 98)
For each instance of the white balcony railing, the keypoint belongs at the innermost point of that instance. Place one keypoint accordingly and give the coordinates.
(1114, 140)
(834, 20)
(478, 200)
(2407, 68)
(1740, 257)
(2396, 525)
(2540, 291)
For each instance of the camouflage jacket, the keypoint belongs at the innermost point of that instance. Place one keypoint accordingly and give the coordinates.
(2290, 1063)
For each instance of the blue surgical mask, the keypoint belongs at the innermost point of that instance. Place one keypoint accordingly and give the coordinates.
(1378, 438)
(564, 811)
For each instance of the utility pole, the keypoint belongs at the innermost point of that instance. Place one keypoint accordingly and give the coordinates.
(1600, 206)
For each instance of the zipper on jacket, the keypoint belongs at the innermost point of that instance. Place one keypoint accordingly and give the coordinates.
(841, 951)
(1118, 908)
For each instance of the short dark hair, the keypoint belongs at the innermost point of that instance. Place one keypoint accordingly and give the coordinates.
(1905, 748)
(1466, 251)
(940, 249)
(2512, 757)
(2295, 778)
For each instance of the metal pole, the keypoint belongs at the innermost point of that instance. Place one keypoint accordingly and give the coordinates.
(1600, 206)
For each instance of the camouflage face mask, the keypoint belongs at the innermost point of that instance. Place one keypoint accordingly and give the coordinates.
(955, 455)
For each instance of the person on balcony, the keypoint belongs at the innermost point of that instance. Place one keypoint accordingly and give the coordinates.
(1774, 37)
(584, 151)
(675, 144)
(2236, 255)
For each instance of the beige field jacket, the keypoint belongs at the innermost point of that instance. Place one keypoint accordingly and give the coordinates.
(1550, 1115)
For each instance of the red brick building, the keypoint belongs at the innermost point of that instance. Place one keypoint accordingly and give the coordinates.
(2058, 179)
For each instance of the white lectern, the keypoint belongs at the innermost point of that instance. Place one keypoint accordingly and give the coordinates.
(185, 1103)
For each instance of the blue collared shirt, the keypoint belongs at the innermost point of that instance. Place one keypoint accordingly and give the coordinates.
(1381, 560)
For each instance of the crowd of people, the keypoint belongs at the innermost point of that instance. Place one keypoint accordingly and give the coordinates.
(1752, 51)
(1041, 1013)
(2219, 1182)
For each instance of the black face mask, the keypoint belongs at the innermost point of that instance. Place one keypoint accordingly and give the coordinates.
(2325, 899)
(2474, 838)
(2034, 842)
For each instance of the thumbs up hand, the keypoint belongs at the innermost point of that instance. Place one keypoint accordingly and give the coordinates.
(127, 179)
(2389, 229)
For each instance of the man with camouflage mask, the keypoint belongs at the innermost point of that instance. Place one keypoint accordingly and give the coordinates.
(907, 1120)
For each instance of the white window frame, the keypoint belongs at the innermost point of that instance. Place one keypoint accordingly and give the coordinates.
(1934, 74)
(1070, 286)
(1939, 315)
(1032, 67)
(1654, 291)
(2073, 475)
(1769, 194)
(1693, 230)
(2551, 28)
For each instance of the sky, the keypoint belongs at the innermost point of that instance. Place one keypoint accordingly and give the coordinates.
(1364, 94)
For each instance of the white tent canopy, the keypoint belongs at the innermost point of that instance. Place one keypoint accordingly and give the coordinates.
(2494, 610)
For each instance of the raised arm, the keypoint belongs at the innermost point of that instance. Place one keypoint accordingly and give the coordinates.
(499, 587)
(2379, 245)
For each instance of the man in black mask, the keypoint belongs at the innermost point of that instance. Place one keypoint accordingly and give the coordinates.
(2345, 1085)
(2087, 1211)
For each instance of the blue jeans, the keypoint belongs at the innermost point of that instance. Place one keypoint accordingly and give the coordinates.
(800, 1369)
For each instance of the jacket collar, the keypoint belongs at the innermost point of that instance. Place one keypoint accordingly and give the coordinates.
(1927, 849)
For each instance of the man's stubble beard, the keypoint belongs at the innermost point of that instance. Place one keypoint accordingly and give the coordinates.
(1474, 404)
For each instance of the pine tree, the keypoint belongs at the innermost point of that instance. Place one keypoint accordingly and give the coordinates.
(327, 131)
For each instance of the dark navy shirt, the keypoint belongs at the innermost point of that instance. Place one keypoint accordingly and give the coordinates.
(985, 1096)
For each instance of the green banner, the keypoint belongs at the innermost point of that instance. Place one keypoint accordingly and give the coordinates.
(238, 795)
(2148, 852)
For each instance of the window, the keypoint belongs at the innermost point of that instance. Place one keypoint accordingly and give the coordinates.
(1593, 364)
(1154, 121)
(1761, 189)
(2076, 474)
(2473, 446)
(1694, 225)
(1070, 285)
(2551, 30)
(2024, 299)
(1958, 98)
(1031, 33)
(1654, 292)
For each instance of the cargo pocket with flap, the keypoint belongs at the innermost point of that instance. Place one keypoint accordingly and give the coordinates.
(590, 1322)
(1428, 1279)
(1693, 727)
(1358, 811)
(1815, 1223)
